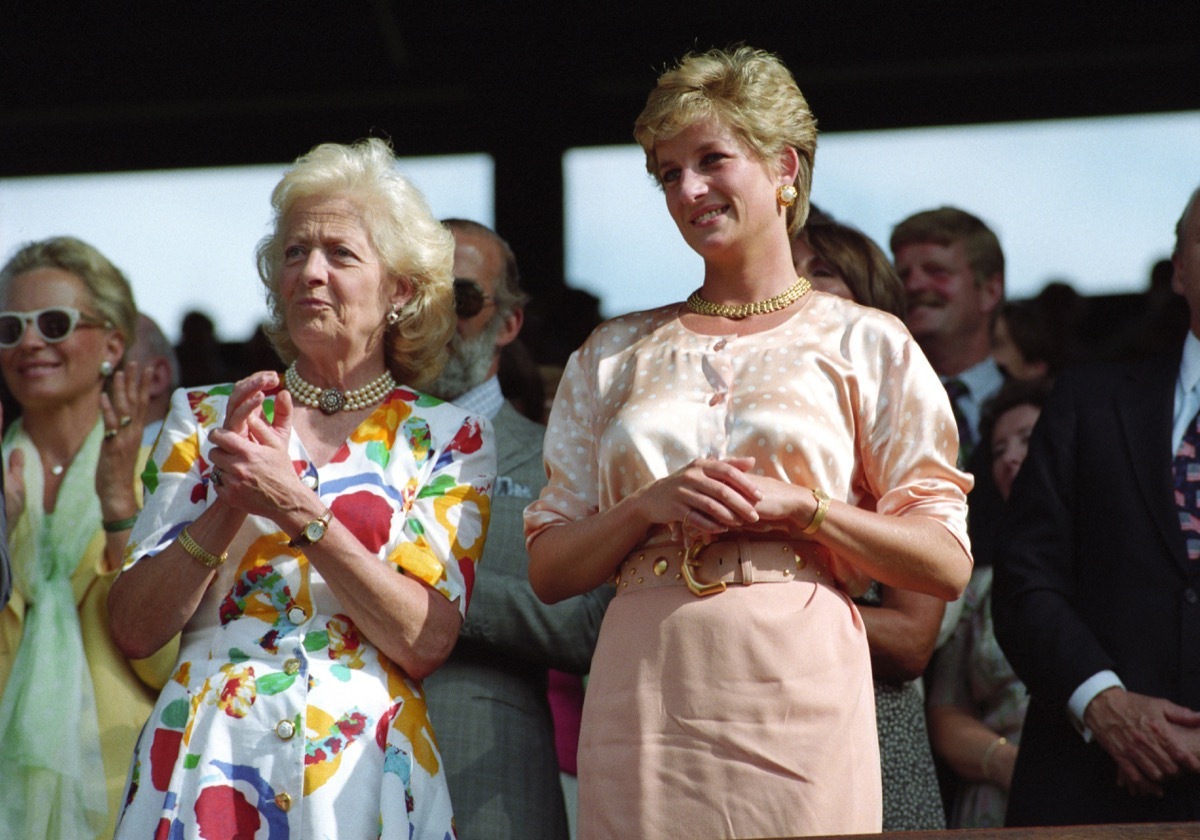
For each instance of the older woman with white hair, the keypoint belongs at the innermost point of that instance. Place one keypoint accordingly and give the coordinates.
(313, 536)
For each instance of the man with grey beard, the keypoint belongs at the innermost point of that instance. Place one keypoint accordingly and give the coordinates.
(488, 701)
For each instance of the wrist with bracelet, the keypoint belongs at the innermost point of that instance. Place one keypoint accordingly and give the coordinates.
(988, 754)
(819, 514)
(116, 526)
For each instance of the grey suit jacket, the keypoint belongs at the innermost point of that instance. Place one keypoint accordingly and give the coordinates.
(488, 701)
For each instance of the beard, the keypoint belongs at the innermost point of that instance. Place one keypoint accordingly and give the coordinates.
(469, 362)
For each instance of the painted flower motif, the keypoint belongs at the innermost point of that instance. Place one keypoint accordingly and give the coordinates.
(367, 515)
(469, 438)
(239, 690)
(345, 643)
(223, 811)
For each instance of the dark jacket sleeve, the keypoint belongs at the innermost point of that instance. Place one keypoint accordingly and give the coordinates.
(1041, 564)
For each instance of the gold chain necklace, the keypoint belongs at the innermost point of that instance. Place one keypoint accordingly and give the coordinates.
(784, 299)
(333, 400)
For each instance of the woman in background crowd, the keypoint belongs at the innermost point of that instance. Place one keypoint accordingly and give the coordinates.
(71, 703)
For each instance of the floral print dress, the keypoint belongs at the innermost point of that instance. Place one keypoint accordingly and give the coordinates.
(281, 719)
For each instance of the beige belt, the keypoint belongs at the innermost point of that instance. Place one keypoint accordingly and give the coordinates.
(721, 563)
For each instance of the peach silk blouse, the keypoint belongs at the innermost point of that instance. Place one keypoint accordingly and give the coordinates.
(838, 397)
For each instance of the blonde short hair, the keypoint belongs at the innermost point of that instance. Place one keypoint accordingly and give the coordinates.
(112, 296)
(410, 242)
(750, 92)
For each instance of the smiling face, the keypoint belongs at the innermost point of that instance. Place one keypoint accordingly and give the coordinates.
(945, 301)
(719, 194)
(335, 290)
(43, 375)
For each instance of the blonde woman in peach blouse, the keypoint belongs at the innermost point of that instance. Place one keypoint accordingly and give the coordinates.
(709, 458)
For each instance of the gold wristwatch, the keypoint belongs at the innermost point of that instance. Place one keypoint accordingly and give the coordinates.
(313, 531)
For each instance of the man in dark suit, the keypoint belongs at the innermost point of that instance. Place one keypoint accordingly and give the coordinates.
(488, 702)
(1096, 599)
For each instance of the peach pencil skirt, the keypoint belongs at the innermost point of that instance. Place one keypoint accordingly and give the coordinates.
(749, 713)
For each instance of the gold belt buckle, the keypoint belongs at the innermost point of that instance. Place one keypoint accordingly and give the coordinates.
(698, 588)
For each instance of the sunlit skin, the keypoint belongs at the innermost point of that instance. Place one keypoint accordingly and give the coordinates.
(823, 276)
(948, 310)
(1010, 444)
(335, 293)
(40, 374)
(721, 197)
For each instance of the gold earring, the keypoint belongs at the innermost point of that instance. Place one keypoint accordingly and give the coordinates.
(787, 195)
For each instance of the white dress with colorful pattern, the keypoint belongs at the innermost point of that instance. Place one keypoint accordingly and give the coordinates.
(281, 719)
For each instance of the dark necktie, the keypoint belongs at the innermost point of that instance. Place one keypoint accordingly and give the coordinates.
(956, 389)
(1187, 487)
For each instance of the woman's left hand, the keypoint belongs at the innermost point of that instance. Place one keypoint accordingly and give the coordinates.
(123, 410)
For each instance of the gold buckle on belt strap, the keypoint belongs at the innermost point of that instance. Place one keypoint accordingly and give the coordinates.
(689, 565)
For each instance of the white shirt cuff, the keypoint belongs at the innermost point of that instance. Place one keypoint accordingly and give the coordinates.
(1085, 694)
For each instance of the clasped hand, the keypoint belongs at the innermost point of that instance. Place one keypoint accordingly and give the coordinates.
(1151, 739)
(251, 451)
(715, 495)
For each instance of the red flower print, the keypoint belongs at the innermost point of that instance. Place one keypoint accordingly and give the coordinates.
(466, 567)
(368, 516)
(224, 812)
(468, 439)
(385, 720)
(163, 752)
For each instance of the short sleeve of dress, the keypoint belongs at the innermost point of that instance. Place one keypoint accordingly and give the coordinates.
(177, 475)
(447, 501)
(570, 452)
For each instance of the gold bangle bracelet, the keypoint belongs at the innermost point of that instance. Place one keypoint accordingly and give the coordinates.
(987, 756)
(193, 548)
(819, 515)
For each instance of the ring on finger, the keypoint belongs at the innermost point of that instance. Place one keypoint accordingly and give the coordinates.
(109, 434)
(125, 420)
(216, 476)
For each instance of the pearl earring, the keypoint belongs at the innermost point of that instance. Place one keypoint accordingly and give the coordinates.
(106, 368)
(786, 195)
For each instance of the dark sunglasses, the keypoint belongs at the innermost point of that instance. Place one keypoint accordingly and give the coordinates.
(469, 298)
(53, 324)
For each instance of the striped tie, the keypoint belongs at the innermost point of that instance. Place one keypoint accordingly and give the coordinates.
(1187, 487)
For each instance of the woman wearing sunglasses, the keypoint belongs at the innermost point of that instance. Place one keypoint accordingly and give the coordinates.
(313, 535)
(70, 704)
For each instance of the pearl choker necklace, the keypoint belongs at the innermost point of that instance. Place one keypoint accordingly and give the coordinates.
(760, 307)
(333, 400)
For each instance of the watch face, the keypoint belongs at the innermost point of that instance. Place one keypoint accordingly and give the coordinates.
(314, 530)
